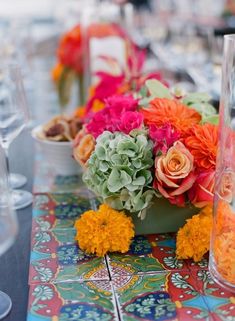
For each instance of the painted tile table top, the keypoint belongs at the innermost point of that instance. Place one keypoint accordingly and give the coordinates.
(147, 283)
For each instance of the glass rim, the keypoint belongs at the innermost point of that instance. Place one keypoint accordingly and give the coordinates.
(230, 37)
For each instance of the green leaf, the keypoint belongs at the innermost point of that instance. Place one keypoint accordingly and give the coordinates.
(145, 101)
(143, 91)
(157, 89)
(214, 119)
(205, 109)
(192, 98)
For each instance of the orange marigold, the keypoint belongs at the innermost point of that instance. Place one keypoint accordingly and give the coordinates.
(105, 230)
(164, 110)
(224, 241)
(193, 239)
(202, 143)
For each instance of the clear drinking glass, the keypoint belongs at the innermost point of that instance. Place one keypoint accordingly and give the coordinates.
(13, 118)
(8, 227)
(222, 251)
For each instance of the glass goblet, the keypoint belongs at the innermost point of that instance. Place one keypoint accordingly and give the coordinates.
(13, 118)
(8, 228)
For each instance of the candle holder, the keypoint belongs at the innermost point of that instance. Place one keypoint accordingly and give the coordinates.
(222, 251)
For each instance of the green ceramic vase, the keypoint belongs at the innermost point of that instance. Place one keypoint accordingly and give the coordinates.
(162, 217)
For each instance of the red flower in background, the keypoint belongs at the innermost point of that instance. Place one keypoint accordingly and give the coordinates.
(70, 49)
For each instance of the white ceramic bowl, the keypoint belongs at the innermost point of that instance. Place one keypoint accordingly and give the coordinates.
(57, 154)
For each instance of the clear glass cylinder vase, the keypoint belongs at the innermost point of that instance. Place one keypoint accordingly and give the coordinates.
(222, 251)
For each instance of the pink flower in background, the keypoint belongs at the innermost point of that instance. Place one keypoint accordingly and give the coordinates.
(202, 192)
(174, 173)
(108, 86)
(135, 62)
(130, 120)
(163, 137)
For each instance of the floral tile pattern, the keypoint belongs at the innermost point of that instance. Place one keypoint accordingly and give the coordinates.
(147, 254)
(219, 301)
(55, 256)
(163, 296)
(53, 210)
(69, 263)
(72, 301)
(148, 283)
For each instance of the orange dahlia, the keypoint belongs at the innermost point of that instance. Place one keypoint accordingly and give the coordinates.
(164, 110)
(202, 143)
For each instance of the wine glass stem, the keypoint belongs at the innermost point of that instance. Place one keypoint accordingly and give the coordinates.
(7, 160)
(6, 152)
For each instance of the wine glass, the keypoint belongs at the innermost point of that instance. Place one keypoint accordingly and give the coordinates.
(13, 118)
(8, 227)
(9, 52)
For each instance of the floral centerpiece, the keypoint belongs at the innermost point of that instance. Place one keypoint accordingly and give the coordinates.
(152, 145)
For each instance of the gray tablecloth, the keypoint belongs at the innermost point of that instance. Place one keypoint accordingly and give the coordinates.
(14, 264)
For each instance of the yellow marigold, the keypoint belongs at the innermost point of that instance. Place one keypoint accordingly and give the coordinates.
(105, 230)
(193, 239)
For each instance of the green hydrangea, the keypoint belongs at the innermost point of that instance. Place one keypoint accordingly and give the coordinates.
(119, 170)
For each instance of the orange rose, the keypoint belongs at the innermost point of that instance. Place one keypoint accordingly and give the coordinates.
(174, 173)
(84, 148)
